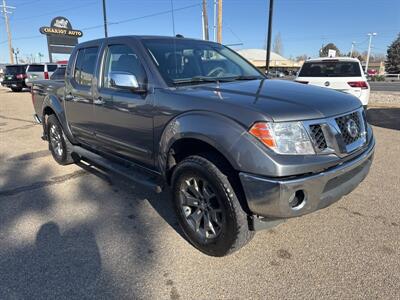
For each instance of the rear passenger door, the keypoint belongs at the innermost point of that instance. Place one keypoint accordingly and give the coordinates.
(79, 94)
(124, 120)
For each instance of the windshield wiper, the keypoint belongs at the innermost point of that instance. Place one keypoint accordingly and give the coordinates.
(203, 79)
(246, 77)
(200, 79)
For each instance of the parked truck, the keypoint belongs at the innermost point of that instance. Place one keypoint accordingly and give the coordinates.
(237, 151)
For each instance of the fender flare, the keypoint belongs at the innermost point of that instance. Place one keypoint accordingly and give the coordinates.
(52, 102)
(216, 130)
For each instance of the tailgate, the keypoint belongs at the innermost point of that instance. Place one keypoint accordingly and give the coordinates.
(336, 83)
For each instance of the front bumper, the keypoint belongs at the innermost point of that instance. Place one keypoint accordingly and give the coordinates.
(271, 198)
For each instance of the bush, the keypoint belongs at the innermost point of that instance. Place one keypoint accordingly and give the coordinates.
(377, 78)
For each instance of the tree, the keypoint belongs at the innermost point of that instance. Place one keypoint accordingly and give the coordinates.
(392, 63)
(323, 52)
(278, 45)
(302, 57)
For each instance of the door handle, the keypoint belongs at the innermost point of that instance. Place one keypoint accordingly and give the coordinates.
(99, 101)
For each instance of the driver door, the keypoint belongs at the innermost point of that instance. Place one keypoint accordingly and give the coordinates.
(124, 121)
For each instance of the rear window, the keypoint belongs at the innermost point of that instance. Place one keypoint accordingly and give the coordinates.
(51, 68)
(330, 69)
(59, 74)
(12, 70)
(36, 68)
(85, 65)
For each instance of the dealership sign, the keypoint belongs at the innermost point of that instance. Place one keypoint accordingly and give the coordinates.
(61, 37)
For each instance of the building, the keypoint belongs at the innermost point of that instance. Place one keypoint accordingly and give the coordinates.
(277, 62)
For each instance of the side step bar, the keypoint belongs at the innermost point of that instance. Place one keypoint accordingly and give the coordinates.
(129, 172)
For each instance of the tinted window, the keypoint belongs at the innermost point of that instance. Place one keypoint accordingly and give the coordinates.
(85, 65)
(12, 70)
(36, 68)
(122, 59)
(331, 69)
(59, 74)
(51, 68)
(180, 60)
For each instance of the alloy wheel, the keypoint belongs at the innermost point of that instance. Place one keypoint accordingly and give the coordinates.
(201, 208)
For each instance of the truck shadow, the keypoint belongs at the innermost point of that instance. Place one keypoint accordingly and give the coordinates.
(384, 117)
(161, 202)
(57, 247)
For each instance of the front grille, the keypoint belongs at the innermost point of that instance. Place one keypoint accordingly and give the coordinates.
(342, 123)
(318, 137)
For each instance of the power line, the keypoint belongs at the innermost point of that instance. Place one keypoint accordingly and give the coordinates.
(165, 12)
(118, 22)
(57, 11)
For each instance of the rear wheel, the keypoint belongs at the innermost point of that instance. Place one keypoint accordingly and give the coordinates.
(59, 145)
(207, 207)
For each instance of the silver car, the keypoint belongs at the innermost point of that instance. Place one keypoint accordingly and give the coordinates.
(39, 72)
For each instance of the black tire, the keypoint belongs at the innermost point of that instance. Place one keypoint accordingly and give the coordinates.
(59, 145)
(234, 232)
(16, 89)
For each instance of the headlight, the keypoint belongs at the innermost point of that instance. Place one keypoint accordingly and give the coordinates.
(283, 138)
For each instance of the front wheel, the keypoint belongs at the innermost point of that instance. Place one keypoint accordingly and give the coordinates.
(207, 207)
(59, 145)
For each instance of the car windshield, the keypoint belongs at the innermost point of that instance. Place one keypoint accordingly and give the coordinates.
(331, 68)
(13, 70)
(183, 61)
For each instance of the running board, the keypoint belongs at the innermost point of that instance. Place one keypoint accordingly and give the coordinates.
(129, 172)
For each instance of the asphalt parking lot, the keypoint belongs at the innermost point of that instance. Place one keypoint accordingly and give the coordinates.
(78, 232)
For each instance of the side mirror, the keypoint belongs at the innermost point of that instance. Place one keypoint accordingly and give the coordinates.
(125, 80)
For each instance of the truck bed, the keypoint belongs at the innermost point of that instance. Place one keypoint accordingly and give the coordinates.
(42, 88)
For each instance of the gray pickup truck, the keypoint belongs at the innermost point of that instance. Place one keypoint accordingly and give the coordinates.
(239, 152)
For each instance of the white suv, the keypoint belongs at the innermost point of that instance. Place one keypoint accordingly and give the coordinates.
(343, 74)
(39, 72)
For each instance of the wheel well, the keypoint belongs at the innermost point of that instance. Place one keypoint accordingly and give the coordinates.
(187, 147)
(46, 112)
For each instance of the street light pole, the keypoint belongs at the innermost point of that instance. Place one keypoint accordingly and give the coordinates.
(271, 8)
(369, 50)
(105, 19)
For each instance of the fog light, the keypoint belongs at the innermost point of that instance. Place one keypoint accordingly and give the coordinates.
(297, 200)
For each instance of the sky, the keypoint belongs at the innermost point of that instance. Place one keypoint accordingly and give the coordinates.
(304, 25)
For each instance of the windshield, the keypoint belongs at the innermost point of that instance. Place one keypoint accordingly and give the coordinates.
(13, 70)
(188, 61)
(330, 69)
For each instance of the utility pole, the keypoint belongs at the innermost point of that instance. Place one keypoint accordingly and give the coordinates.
(271, 8)
(369, 50)
(219, 31)
(5, 13)
(352, 48)
(215, 21)
(105, 18)
(204, 19)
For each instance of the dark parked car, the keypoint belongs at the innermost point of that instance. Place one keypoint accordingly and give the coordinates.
(14, 77)
(239, 152)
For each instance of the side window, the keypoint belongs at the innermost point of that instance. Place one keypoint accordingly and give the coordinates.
(51, 68)
(85, 65)
(122, 59)
(78, 65)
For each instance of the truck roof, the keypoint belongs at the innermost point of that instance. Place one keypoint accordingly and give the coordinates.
(141, 37)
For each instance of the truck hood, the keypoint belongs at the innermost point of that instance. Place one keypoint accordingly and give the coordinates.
(281, 100)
